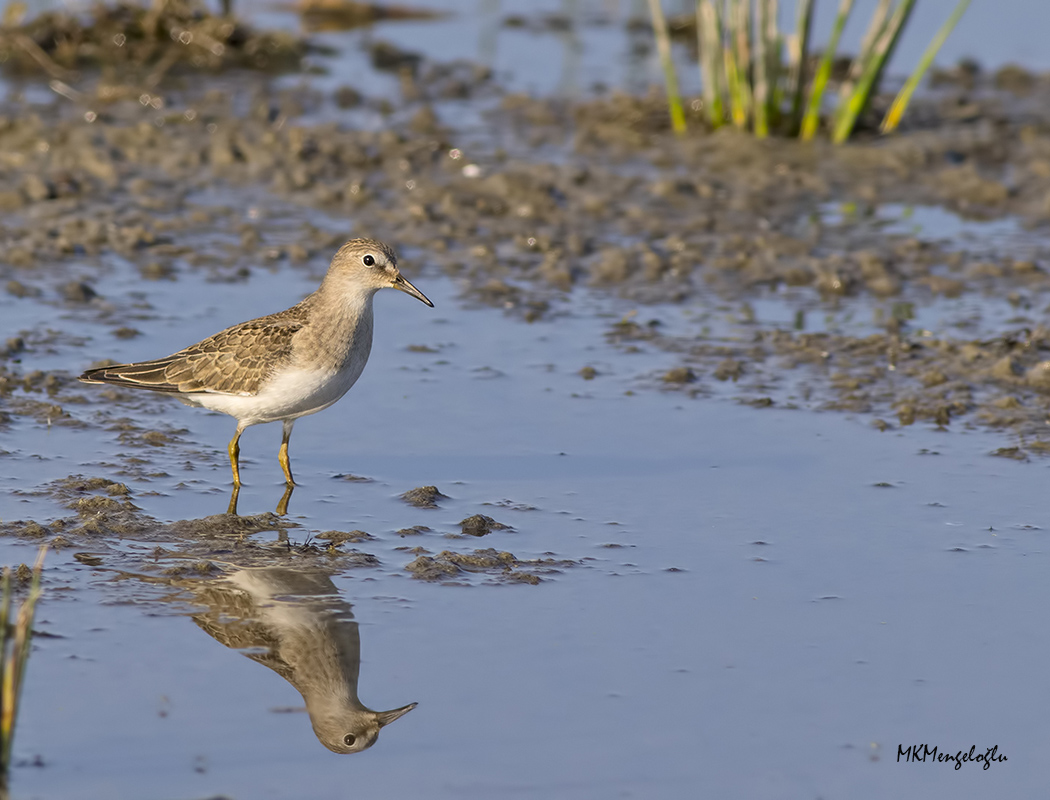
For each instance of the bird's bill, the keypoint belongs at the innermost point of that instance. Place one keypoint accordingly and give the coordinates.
(386, 717)
(402, 283)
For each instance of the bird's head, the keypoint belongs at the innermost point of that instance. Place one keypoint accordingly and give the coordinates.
(356, 731)
(371, 265)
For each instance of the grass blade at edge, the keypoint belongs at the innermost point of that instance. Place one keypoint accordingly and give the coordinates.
(875, 28)
(763, 92)
(663, 49)
(900, 102)
(14, 664)
(710, 40)
(738, 61)
(803, 24)
(811, 120)
(847, 113)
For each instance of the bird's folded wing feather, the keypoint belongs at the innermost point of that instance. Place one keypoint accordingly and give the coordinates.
(234, 361)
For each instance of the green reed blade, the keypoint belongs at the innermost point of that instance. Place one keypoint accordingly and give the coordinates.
(875, 28)
(5, 607)
(775, 48)
(737, 110)
(848, 112)
(811, 120)
(738, 61)
(799, 60)
(24, 627)
(744, 54)
(14, 657)
(663, 49)
(900, 102)
(709, 38)
(6, 678)
(762, 77)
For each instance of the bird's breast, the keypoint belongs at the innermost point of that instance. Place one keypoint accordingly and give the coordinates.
(297, 391)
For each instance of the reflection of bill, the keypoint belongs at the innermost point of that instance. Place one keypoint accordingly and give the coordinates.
(295, 623)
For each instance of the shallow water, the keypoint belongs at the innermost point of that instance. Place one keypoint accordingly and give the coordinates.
(569, 46)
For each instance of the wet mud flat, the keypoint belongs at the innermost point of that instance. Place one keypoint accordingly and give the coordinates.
(651, 279)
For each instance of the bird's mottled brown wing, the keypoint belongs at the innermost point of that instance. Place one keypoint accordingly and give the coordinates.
(234, 361)
(232, 620)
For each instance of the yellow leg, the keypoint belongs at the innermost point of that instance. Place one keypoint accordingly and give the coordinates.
(282, 505)
(282, 454)
(232, 509)
(235, 455)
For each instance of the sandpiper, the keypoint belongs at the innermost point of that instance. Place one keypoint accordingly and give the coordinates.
(285, 365)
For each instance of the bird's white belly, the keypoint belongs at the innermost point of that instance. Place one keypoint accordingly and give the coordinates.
(290, 394)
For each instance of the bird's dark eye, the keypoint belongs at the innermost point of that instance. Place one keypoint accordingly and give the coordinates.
(349, 739)
(369, 261)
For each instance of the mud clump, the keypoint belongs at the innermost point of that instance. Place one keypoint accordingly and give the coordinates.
(196, 569)
(356, 558)
(729, 369)
(481, 525)
(78, 292)
(500, 565)
(87, 506)
(427, 568)
(18, 289)
(174, 36)
(156, 438)
(340, 537)
(423, 497)
(221, 525)
(352, 478)
(415, 530)
(679, 375)
(29, 529)
(76, 491)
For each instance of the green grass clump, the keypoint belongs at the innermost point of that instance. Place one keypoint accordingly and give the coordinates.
(16, 633)
(758, 78)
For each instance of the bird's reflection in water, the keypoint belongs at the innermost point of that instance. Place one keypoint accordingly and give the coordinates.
(295, 623)
(282, 504)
